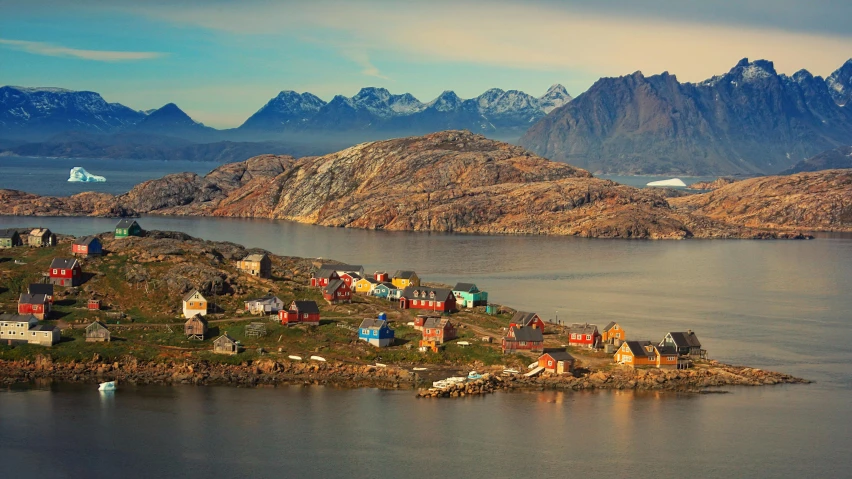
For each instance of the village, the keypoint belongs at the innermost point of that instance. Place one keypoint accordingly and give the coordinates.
(439, 324)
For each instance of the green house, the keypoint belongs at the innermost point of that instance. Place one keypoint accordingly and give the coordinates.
(468, 295)
(126, 228)
(10, 238)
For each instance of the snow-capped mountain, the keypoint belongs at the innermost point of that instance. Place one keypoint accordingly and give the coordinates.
(555, 97)
(169, 120)
(33, 112)
(840, 84)
(288, 108)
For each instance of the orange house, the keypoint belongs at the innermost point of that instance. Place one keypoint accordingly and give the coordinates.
(644, 354)
(613, 331)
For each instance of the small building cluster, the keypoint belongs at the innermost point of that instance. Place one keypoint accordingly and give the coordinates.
(677, 350)
(26, 329)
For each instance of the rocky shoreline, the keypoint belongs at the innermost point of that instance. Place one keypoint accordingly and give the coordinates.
(272, 372)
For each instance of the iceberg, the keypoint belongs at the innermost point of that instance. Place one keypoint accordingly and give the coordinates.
(671, 182)
(78, 173)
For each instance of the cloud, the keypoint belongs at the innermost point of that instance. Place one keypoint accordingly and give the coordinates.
(51, 50)
(534, 36)
(363, 60)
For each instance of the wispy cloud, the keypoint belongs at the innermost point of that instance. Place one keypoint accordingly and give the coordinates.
(52, 50)
(363, 60)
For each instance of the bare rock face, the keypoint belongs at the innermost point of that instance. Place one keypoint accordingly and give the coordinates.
(452, 181)
(711, 185)
(816, 201)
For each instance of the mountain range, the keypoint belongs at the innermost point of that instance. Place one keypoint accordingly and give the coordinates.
(750, 120)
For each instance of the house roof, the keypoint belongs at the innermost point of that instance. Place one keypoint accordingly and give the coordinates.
(441, 294)
(126, 223)
(355, 276)
(41, 288)
(526, 334)
(96, 324)
(255, 257)
(27, 298)
(43, 327)
(333, 285)
(667, 350)
(62, 263)
(638, 348)
(188, 295)
(370, 280)
(269, 299)
(609, 326)
(342, 267)
(371, 323)
(19, 318)
(325, 273)
(386, 285)
(197, 317)
(8, 233)
(436, 323)
(404, 274)
(523, 318)
(305, 306)
(559, 355)
(686, 339)
(583, 328)
(39, 232)
(86, 240)
(225, 337)
(466, 287)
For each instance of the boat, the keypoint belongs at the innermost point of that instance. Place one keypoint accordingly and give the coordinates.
(511, 371)
(17, 261)
(107, 386)
(318, 358)
(533, 365)
(474, 375)
(295, 358)
(380, 365)
(418, 369)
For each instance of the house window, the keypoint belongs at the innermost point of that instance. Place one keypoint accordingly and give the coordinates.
(440, 304)
(588, 336)
(431, 303)
(55, 271)
(63, 272)
(550, 363)
(523, 343)
(628, 359)
(365, 331)
(305, 315)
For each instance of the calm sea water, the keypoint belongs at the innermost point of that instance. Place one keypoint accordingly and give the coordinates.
(49, 176)
(781, 305)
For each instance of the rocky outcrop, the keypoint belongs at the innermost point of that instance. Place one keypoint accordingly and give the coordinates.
(452, 181)
(711, 185)
(837, 158)
(819, 201)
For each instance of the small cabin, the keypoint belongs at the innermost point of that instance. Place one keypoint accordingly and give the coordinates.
(10, 238)
(127, 227)
(301, 312)
(36, 304)
(613, 333)
(65, 272)
(266, 305)
(468, 295)
(376, 332)
(97, 332)
(224, 344)
(93, 305)
(87, 247)
(256, 265)
(195, 327)
(556, 361)
(41, 237)
(523, 319)
(405, 278)
(337, 291)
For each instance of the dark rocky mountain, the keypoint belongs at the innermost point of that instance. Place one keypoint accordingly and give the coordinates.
(33, 113)
(170, 120)
(837, 158)
(747, 121)
(285, 110)
(840, 84)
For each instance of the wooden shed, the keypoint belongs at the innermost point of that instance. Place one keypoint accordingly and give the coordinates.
(224, 344)
(97, 332)
(195, 327)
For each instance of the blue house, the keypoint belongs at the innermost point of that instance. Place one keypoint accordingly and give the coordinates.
(376, 332)
(386, 290)
(468, 295)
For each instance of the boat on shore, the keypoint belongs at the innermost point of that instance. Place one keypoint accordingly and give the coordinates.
(107, 386)
(318, 358)
(295, 358)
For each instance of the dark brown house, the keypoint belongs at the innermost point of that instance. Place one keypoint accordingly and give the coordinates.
(195, 327)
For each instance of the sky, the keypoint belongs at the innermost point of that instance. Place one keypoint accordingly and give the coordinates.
(222, 60)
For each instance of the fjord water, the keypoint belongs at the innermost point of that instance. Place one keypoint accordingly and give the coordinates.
(780, 305)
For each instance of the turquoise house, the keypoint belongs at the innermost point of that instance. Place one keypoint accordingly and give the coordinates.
(387, 291)
(468, 295)
(376, 332)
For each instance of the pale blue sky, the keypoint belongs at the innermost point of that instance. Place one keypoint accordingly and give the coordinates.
(222, 60)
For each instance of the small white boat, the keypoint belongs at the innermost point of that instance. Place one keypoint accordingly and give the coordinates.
(418, 369)
(463, 343)
(511, 371)
(107, 386)
(318, 358)
(17, 261)
(295, 358)
(380, 365)
(440, 384)
(533, 365)
(474, 375)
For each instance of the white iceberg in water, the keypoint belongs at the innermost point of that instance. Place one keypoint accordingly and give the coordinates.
(671, 182)
(78, 173)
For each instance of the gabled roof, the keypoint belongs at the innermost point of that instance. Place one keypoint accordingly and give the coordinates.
(17, 318)
(609, 326)
(96, 325)
(39, 232)
(306, 306)
(369, 279)
(189, 295)
(225, 337)
(559, 355)
(333, 285)
(355, 276)
(197, 317)
(8, 233)
(256, 257)
(62, 263)
(404, 274)
(126, 223)
(667, 350)
(370, 323)
(86, 240)
(436, 323)
(526, 334)
(27, 298)
(325, 273)
(342, 267)
(686, 339)
(43, 327)
(269, 299)
(582, 328)
(466, 287)
(441, 294)
(523, 318)
(638, 348)
(41, 288)
(386, 285)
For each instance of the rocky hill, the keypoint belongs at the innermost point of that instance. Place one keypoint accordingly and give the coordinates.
(452, 181)
(836, 158)
(711, 185)
(808, 201)
(750, 120)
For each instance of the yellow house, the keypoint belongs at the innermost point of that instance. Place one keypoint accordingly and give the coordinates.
(639, 354)
(404, 279)
(613, 331)
(365, 285)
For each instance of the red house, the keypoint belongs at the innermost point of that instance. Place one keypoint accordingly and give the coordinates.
(65, 272)
(350, 278)
(86, 247)
(420, 320)
(439, 330)
(523, 339)
(522, 319)
(300, 312)
(432, 299)
(584, 335)
(42, 288)
(337, 292)
(556, 361)
(322, 277)
(35, 304)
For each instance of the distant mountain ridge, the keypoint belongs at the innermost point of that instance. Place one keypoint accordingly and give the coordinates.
(746, 121)
(837, 158)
